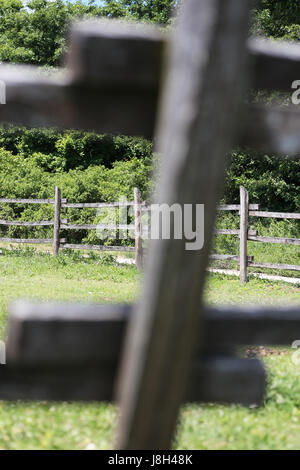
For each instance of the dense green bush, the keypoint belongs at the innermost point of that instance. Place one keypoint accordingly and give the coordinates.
(34, 32)
(278, 19)
(272, 182)
(21, 177)
(55, 151)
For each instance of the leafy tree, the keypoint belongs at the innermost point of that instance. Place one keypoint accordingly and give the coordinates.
(278, 19)
(157, 11)
(35, 33)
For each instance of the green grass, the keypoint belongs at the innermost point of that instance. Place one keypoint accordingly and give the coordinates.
(276, 425)
(79, 426)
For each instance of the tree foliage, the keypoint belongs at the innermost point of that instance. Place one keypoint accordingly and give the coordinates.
(278, 19)
(34, 33)
(157, 11)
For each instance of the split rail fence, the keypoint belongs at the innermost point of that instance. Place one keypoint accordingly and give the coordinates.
(245, 210)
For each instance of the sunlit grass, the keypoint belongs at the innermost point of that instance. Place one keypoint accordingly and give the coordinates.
(45, 425)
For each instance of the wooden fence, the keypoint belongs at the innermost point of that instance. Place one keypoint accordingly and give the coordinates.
(244, 209)
(59, 224)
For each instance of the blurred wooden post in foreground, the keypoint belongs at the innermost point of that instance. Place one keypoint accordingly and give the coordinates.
(205, 79)
(57, 208)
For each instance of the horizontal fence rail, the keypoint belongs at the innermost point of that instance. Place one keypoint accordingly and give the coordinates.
(70, 371)
(29, 201)
(274, 215)
(76, 246)
(280, 240)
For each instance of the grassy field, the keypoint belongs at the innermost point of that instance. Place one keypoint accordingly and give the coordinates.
(88, 426)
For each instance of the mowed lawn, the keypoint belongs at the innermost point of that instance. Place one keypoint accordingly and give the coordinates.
(45, 425)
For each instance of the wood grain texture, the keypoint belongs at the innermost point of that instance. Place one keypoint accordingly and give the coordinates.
(57, 221)
(92, 333)
(244, 202)
(284, 267)
(225, 380)
(28, 201)
(206, 73)
(97, 226)
(84, 205)
(112, 84)
(27, 240)
(280, 240)
(35, 100)
(27, 224)
(115, 53)
(77, 246)
(236, 207)
(229, 257)
(275, 215)
(273, 129)
(225, 231)
(276, 63)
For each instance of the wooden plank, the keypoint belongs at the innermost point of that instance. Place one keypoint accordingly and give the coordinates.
(26, 224)
(276, 63)
(252, 325)
(161, 340)
(273, 129)
(37, 100)
(85, 205)
(27, 240)
(60, 101)
(244, 198)
(115, 53)
(269, 277)
(98, 247)
(284, 267)
(280, 240)
(139, 261)
(94, 334)
(29, 201)
(57, 221)
(233, 232)
(229, 257)
(97, 226)
(275, 215)
(236, 207)
(226, 380)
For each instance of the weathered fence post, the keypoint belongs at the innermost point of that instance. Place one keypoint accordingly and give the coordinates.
(56, 228)
(138, 229)
(161, 338)
(244, 209)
